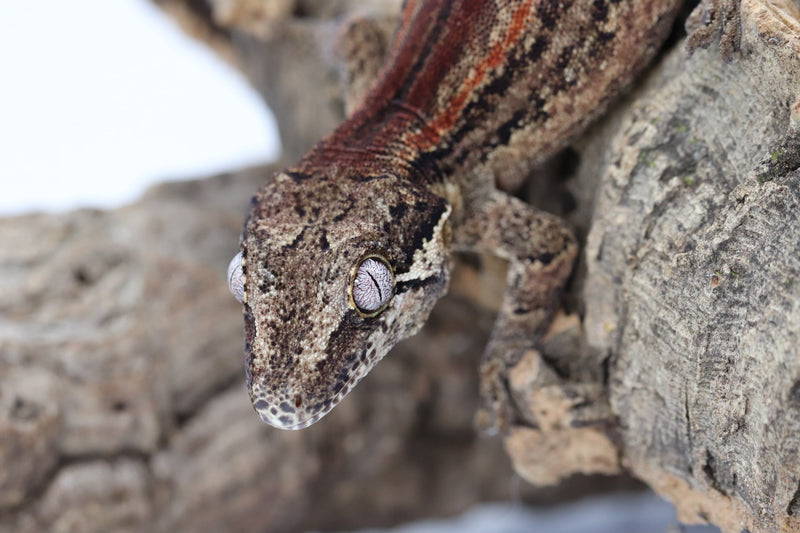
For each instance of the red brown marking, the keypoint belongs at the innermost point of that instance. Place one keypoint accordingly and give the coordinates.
(442, 123)
(430, 96)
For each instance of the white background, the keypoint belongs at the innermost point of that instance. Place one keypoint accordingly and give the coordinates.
(99, 98)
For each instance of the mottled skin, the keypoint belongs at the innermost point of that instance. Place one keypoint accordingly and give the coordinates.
(406, 179)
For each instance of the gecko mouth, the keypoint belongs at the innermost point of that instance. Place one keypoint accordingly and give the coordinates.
(296, 411)
(284, 415)
(290, 421)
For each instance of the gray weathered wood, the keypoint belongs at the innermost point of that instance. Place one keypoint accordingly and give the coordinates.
(693, 283)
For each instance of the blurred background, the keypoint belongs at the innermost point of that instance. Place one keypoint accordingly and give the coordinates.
(93, 114)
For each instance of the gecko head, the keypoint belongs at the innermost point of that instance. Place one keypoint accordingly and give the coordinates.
(332, 274)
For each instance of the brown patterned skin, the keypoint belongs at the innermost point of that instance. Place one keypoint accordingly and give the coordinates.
(407, 179)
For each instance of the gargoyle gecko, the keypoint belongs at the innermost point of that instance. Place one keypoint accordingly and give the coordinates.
(345, 253)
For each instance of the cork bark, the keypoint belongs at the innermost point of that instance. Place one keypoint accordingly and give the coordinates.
(675, 359)
(692, 288)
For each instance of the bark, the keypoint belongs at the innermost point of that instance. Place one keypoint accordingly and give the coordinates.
(122, 406)
(693, 279)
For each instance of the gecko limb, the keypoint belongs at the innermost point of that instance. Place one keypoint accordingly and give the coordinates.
(540, 250)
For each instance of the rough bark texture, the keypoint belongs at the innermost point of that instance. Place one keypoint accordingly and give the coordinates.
(122, 406)
(693, 284)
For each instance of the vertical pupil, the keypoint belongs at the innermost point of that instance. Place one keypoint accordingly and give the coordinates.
(377, 285)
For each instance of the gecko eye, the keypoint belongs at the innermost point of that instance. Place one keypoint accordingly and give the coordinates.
(373, 285)
(236, 277)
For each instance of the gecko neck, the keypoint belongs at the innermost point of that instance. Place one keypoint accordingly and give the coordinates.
(374, 141)
(437, 106)
(442, 52)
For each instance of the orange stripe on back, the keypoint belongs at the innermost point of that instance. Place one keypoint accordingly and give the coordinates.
(444, 121)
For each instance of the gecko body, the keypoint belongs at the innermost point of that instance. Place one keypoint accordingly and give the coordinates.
(345, 253)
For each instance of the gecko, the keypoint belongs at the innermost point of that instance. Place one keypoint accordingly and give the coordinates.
(346, 252)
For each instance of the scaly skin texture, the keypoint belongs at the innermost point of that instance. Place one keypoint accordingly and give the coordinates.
(407, 179)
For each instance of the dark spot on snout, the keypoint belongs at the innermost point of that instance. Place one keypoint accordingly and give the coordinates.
(398, 210)
(298, 177)
(296, 241)
(260, 405)
(286, 408)
(599, 11)
(546, 258)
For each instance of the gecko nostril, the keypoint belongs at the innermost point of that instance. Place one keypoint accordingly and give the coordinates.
(298, 401)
